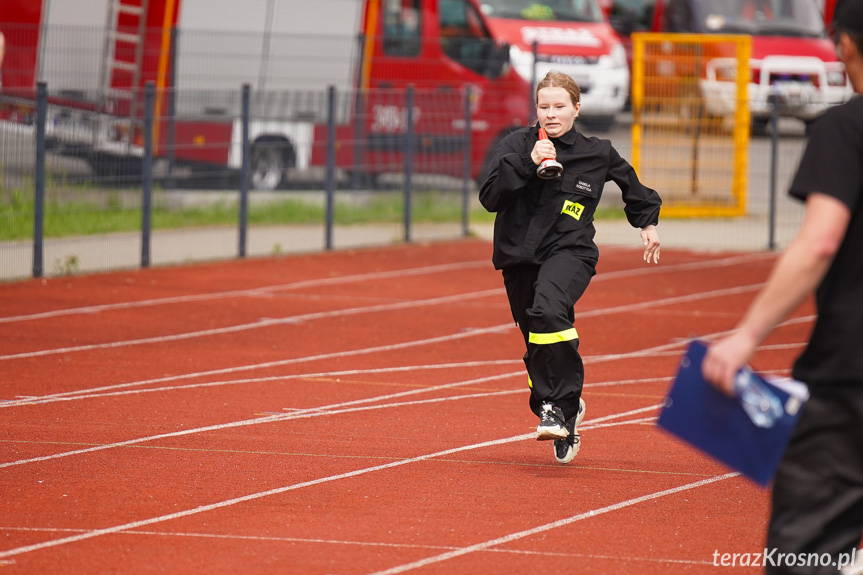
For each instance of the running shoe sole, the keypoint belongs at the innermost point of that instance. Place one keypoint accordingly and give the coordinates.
(573, 449)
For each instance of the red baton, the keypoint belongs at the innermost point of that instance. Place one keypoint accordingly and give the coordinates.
(549, 168)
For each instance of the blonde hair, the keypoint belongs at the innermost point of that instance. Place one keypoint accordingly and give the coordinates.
(556, 79)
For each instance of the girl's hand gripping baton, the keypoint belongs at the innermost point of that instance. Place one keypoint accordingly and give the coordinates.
(549, 168)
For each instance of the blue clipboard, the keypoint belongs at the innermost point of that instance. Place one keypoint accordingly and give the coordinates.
(747, 433)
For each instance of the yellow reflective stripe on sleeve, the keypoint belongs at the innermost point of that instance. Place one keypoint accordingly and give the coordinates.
(530, 383)
(547, 338)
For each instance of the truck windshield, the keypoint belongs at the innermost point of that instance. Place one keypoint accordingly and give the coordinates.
(544, 10)
(762, 17)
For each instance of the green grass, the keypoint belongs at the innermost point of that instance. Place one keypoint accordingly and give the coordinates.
(107, 214)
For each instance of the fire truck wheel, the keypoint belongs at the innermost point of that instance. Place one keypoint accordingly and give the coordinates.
(268, 165)
(110, 169)
(362, 180)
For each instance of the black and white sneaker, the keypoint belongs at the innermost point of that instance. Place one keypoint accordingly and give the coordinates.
(567, 448)
(551, 423)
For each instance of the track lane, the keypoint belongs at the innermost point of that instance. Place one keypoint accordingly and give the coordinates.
(612, 462)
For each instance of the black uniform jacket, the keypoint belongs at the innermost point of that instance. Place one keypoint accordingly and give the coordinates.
(538, 218)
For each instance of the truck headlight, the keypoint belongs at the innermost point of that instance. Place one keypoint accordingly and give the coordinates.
(616, 58)
(522, 62)
(836, 78)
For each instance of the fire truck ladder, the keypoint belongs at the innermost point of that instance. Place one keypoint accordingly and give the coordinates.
(122, 56)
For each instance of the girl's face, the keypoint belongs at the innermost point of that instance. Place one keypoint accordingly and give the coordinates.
(555, 111)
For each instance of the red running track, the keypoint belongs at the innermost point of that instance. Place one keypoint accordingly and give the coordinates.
(359, 412)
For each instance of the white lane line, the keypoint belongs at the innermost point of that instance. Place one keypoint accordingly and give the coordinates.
(263, 323)
(702, 264)
(343, 542)
(251, 497)
(549, 526)
(339, 408)
(336, 374)
(729, 261)
(87, 394)
(786, 323)
(79, 394)
(96, 392)
(621, 557)
(297, 414)
(64, 396)
(457, 298)
(403, 305)
(674, 346)
(238, 537)
(669, 301)
(250, 292)
(651, 419)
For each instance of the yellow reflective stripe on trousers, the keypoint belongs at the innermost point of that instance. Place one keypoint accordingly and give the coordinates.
(547, 338)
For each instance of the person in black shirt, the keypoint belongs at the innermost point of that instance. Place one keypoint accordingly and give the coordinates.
(543, 243)
(817, 500)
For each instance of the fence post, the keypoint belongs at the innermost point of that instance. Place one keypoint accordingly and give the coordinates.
(147, 174)
(39, 181)
(358, 148)
(773, 100)
(468, 165)
(244, 173)
(531, 98)
(409, 152)
(692, 99)
(331, 166)
(170, 137)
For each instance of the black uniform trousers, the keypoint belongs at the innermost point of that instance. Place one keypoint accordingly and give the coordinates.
(541, 298)
(818, 489)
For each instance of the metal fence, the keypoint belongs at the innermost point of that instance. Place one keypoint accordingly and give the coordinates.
(88, 186)
(82, 192)
(86, 212)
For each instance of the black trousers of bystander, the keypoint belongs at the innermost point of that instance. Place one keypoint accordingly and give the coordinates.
(818, 491)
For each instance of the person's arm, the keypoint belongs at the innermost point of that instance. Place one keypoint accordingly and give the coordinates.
(794, 277)
(641, 204)
(650, 239)
(510, 169)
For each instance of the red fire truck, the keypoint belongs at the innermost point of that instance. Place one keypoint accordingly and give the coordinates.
(374, 49)
(369, 50)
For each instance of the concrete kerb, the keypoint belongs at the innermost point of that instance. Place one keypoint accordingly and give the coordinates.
(93, 254)
(122, 250)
